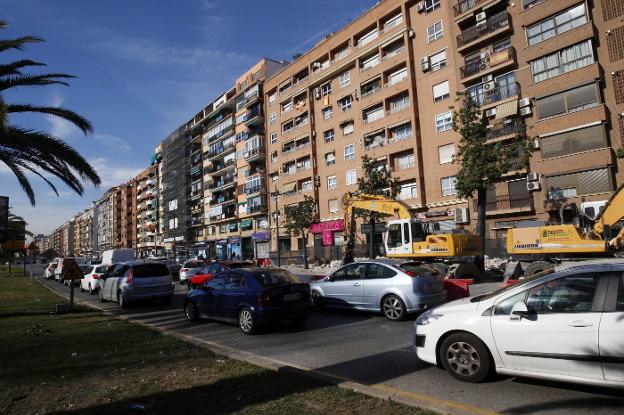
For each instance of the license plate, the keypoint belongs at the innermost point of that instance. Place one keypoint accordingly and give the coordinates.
(292, 297)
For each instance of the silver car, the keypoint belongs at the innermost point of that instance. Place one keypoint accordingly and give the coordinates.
(132, 281)
(190, 269)
(394, 288)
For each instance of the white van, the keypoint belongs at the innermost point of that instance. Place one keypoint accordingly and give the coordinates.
(114, 256)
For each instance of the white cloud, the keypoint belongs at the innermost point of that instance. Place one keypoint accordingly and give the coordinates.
(112, 141)
(111, 173)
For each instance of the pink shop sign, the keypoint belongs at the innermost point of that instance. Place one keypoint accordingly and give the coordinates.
(327, 229)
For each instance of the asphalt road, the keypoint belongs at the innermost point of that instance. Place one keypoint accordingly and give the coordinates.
(371, 350)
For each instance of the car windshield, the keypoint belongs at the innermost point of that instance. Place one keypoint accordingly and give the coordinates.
(270, 278)
(192, 264)
(150, 270)
(521, 282)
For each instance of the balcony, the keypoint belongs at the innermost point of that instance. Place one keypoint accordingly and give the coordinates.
(255, 189)
(498, 93)
(488, 64)
(222, 168)
(254, 118)
(230, 214)
(504, 129)
(398, 108)
(256, 209)
(480, 31)
(392, 53)
(222, 184)
(223, 199)
(508, 203)
(368, 91)
(256, 153)
(372, 142)
(465, 6)
(221, 151)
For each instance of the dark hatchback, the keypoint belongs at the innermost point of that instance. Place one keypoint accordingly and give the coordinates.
(250, 297)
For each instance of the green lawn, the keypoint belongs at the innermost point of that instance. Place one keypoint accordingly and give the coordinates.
(85, 363)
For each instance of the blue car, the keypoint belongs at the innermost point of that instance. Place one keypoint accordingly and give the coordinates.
(250, 297)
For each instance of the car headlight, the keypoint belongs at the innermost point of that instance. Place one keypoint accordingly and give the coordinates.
(427, 318)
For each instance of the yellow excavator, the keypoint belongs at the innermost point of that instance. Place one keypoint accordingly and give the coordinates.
(538, 248)
(409, 238)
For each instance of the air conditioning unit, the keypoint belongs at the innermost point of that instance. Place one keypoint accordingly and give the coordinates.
(316, 65)
(489, 86)
(355, 93)
(491, 112)
(526, 111)
(533, 186)
(424, 63)
(487, 78)
(524, 102)
(484, 55)
(461, 215)
(481, 17)
(317, 93)
(532, 177)
(420, 6)
(481, 26)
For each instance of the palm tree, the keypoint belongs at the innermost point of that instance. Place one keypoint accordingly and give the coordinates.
(25, 150)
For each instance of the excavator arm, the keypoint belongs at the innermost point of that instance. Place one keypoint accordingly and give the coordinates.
(610, 218)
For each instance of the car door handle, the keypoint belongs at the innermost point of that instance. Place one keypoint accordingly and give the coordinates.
(580, 323)
(357, 284)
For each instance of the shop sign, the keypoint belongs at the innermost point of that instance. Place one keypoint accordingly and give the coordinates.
(233, 239)
(261, 236)
(436, 213)
(327, 229)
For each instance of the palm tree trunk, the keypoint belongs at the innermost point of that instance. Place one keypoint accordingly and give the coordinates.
(481, 199)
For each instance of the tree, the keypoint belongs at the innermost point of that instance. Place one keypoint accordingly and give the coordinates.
(299, 218)
(25, 150)
(376, 179)
(483, 163)
(15, 237)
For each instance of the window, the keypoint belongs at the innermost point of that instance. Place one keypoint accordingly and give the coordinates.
(444, 121)
(397, 76)
(274, 157)
(405, 161)
(438, 61)
(327, 113)
(344, 79)
(272, 98)
(273, 138)
(328, 136)
(579, 184)
(565, 60)
(574, 141)
(395, 236)
(408, 191)
(287, 107)
(272, 118)
(368, 37)
(173, 204)
(351, 177)
(393, 21)
(373, 114)
(377, 271)
(435, 32)
(350, 272)
(330, 158)
(441, 91)
(448, 186)
(331, 182)
(560, 23)
(501, 45)
(527, 4)
(326, 89)
(349, 152)
(576, 99)
(173, 223)
(570, 294)
(504, 307)
(446, 153)
(347, 128)
(332, 205)
(306, 186)
(431, 5)
(400, 132)
(369, 62)
(345, 103)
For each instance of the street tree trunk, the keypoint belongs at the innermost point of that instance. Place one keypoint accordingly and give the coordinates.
(371, 238)
(305, 250)
(481, 199)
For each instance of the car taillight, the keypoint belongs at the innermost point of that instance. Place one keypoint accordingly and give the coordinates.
(411, 274)
(95, 277)
(184, 270)
(130, 277)
(264, 299)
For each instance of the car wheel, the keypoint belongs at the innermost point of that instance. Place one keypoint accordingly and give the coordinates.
(102, 300)
(393, 308)
(317, 300)
(190, 310)
(299, 321)
(246, 321)
(465, 357)
(121, 300)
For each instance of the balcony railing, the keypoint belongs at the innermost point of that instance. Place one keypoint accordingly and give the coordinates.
(255, 189)
(393, 53)
(498, 21)
(497, 93)
(398, 108)
(484, 64)
(214, 152)
(463, 6)
(371, 91)
(502, 129)
(508, 202)
(221, 183)
(254, 153)
(256, 209)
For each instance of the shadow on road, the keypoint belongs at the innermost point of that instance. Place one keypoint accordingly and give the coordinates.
(590, 404)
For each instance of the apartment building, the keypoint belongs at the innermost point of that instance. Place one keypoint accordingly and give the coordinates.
(83, 233)
(126, 238)
(106, 207)
(383, 85)
(147, 212)
(67, 238)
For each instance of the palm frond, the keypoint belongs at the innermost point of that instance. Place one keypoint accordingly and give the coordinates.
(79, 121)
(30, 80)
(18, 43)
(21, 177)
(13, 68)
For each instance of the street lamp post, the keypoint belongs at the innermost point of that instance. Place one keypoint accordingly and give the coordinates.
(275, 196)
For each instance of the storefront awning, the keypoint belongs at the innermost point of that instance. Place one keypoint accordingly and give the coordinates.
(289, 187)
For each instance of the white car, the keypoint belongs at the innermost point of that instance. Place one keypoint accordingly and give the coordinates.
(190, 269)
(91, 280)
(565, 324)
(48, 274)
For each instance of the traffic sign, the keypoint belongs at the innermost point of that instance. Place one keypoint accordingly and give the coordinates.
(71, 271)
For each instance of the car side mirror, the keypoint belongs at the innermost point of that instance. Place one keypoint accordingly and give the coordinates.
(518, 311)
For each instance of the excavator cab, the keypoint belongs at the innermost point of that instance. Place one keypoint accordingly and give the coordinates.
(401, 234)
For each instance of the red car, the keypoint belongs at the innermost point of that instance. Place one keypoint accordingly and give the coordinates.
(209, 271)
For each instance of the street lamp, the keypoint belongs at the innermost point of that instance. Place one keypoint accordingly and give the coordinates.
(276, 196)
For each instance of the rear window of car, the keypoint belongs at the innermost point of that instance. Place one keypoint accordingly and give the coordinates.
(150, 270)
(101, 269)
(240, 265)
(420, 269)
(270, 278)
(192, 264)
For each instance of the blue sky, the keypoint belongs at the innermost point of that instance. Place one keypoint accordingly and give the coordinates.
(144, 67)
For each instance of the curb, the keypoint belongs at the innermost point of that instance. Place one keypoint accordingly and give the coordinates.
(377, 391)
